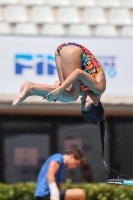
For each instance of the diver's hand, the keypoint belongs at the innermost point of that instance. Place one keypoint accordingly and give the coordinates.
(54, 95)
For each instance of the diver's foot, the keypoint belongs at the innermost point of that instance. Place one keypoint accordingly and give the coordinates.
(25, 91)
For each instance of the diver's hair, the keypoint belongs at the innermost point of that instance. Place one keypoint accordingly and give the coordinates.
(78, 154)
(102, 126)
(96, 114)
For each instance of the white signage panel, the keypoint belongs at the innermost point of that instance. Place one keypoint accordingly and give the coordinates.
(32, 58)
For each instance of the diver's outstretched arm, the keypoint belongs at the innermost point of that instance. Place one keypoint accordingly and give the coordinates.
(97, 86)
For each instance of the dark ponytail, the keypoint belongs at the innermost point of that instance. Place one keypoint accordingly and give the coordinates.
(102, 135)
(96, 114)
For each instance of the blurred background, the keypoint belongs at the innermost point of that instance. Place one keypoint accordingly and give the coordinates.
(30, 31)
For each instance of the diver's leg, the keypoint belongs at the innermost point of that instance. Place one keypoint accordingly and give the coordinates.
(30, 89)
(70, 60)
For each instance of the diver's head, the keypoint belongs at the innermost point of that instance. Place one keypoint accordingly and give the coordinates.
(91, 112)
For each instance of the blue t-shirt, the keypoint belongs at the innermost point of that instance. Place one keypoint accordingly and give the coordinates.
(42, 188)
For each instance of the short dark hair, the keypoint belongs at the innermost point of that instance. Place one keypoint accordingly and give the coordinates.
(96, 114)
(78, 154)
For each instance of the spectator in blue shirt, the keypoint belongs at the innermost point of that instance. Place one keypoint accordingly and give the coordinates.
(49, 181)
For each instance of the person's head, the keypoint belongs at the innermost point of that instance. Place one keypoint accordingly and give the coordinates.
(94, 114)
(73, 158)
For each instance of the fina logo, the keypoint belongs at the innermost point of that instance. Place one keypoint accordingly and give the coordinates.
(41, 64)
(109, 65)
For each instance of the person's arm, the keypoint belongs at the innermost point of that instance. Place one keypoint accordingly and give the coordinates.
(97, 86)
(52, 169)
(68, 95)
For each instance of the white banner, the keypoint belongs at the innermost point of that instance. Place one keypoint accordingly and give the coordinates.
(32, 58)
